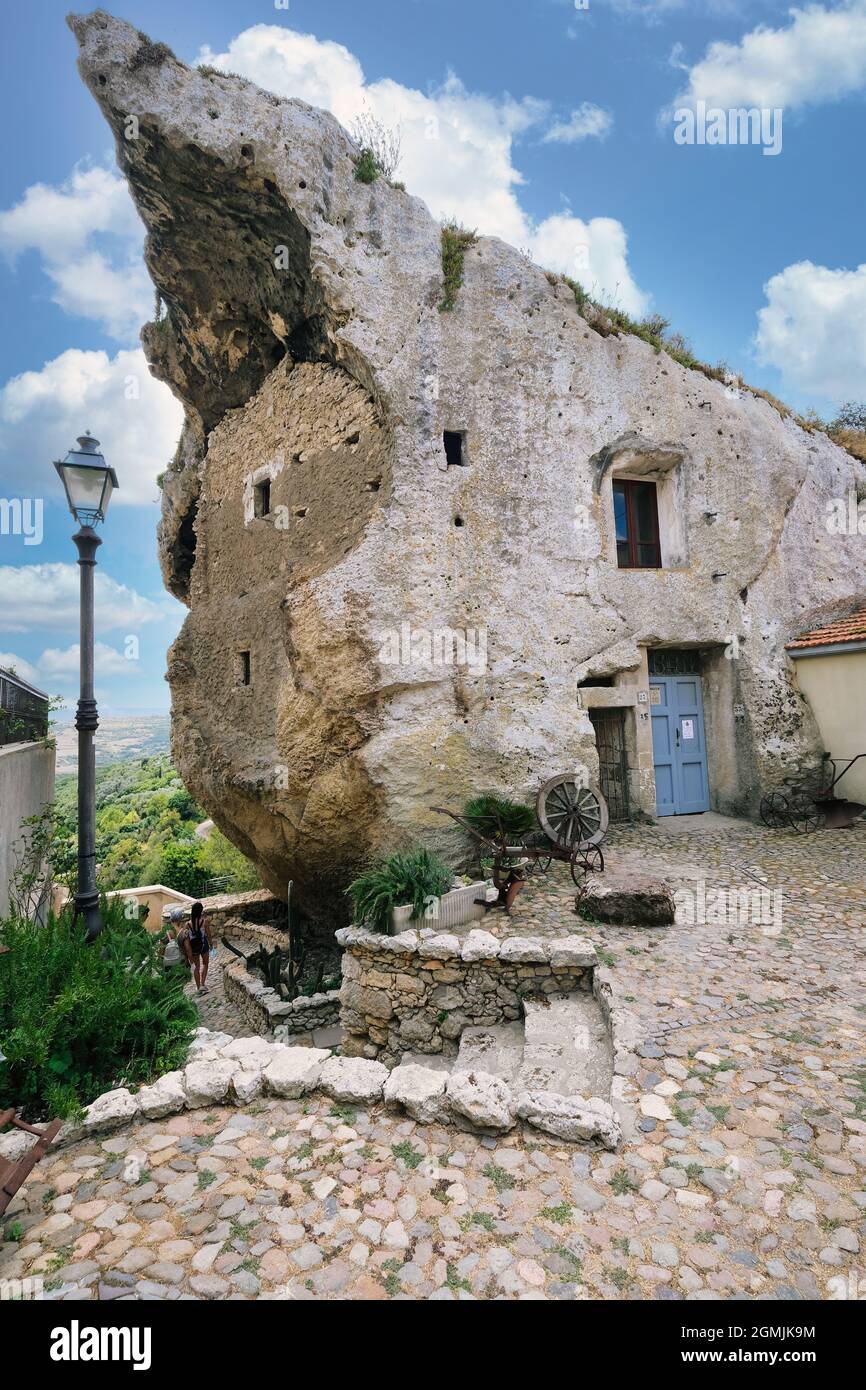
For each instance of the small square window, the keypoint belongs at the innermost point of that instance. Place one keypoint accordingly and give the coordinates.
(454, 442)
(262, 498)
(244, 671)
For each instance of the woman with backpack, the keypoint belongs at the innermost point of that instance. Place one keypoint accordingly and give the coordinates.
(196, 944)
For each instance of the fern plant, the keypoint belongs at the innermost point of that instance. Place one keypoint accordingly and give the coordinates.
(409, 877)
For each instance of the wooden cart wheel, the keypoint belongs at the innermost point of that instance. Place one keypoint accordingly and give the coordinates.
(572, 815)
(774, 811)
(587, 861)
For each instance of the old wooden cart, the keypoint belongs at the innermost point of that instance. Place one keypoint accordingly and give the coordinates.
(803, 806)
(573, 821)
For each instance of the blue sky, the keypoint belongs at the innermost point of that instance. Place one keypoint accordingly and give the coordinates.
(552, 126)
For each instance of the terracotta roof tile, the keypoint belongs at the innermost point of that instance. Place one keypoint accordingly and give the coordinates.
(850, 629)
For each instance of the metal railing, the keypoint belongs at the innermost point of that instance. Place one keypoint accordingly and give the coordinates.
(23, 710)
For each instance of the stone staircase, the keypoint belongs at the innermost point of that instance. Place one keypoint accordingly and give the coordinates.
(553, 1062)
(561, 1045)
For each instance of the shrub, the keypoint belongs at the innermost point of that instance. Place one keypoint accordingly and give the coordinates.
(497, 817)
(455, 241)
(366, 168)
(77, 1020)
(180, 867)
(414, 876)
(379, 144)
(852, 440)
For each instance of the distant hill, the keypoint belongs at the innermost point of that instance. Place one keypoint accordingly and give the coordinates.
(117, 740)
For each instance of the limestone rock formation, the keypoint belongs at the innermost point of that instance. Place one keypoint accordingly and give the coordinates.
(314, 525)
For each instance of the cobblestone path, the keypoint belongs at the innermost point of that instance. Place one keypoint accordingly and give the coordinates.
(744, 1174)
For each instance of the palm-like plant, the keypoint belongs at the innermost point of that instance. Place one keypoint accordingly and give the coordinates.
(498, 818)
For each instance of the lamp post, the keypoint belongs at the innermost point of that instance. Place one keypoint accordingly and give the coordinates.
(88, 482)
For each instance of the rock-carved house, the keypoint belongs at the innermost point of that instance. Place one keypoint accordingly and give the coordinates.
(433, 551)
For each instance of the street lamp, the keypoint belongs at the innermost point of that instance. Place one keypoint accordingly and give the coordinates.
(88, 482)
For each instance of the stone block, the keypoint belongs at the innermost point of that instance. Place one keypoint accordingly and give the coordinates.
(570, 1117)
(483, 1100)
(295, 1071)
(627, 898)
(353, 1079)
(419, 1090)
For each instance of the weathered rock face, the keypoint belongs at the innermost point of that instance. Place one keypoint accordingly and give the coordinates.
(303, 335)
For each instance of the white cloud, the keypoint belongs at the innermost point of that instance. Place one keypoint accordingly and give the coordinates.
(587, 120)
(458, 145)
(10, 662)
(813, 329)
(595, 253)
(65, 663)
(47, 597)
(819, 56)
(135, 417)
(89, 238)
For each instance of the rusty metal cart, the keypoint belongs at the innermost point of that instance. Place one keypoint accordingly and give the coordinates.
(804, 808)
(12, 1175)
(573, 821)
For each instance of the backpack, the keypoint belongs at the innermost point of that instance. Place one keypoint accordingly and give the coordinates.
(197, 938)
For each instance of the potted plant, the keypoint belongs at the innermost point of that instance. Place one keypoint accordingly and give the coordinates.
(413, 886)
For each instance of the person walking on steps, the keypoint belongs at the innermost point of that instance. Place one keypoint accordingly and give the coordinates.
(197, 944)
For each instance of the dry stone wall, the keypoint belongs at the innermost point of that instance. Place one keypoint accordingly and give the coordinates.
(417, 992)
(266, 1012)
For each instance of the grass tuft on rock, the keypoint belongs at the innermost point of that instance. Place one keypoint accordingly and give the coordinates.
(150, 54)
(366, 166)
(456, 240)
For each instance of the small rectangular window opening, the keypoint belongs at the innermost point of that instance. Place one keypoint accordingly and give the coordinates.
(453, 441)
(243, 668)
(635, 509)
(262, 498)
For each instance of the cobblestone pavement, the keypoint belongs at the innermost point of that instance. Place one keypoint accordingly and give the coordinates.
(744, 1174)
(215, 1011)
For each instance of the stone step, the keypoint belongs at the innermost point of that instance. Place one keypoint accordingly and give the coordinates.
(497, 1050)
(566, 1047)
(431, 1060)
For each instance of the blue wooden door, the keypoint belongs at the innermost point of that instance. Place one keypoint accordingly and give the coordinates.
(679, 747)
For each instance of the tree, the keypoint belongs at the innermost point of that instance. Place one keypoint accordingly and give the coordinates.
(852, 416)
(185, 805)
(180, 867)
(219, 857)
